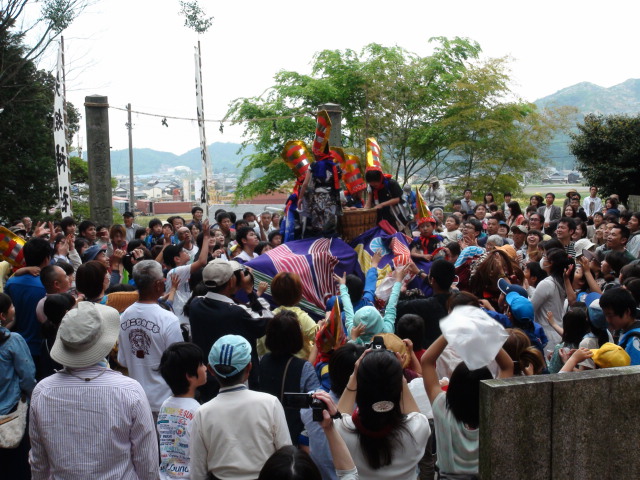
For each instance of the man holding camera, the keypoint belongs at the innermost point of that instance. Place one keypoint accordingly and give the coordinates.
(234, 434)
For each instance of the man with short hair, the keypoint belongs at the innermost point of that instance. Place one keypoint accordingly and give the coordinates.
(55, 280)
(186, 240)
(433, 309)
(26, 291)
(549, 211)
(176, 258)
(233, 435)
(222, 279)
(224, 223)
(519, 236)
(617, 240)
(87, 230)
(129, 226)
(564, 231)
(146, 330)
(264, 227)
(457, 205)
(468, 205)
(88, 421)
(536, 222)
(247, 241)
(196, 213)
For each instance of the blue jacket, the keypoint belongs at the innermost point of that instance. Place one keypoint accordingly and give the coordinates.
(630, 341)
(25, 292)
(17, 371)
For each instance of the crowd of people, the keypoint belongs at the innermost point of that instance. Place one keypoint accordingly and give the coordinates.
(145, 352)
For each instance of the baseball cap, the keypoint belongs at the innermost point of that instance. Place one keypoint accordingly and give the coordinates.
(610, 355)
(594, 311)
(17, 229)
(582, 245)
(217, 272)
(235, 266)
(92, 252)
(521, 307)
(232, 351)
(588, 254)
(519, 228)
(506, 288)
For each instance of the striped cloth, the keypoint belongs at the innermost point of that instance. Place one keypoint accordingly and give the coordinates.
(100, 429)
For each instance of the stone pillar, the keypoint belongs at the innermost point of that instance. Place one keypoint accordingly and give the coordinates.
(335, 114)
(99, 158)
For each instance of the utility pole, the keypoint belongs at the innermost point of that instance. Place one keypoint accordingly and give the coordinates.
(132, 197)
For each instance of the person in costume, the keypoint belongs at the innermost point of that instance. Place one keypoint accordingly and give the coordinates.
(352, 178)
(321, 186)
(427, 245)
(383, 193)
(297, 157)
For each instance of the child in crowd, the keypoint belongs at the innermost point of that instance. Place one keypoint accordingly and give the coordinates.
(183, 367)
(427, 245)
(367, 322)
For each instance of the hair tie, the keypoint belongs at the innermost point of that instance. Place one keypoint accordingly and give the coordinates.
(382, 407)
(365, 431)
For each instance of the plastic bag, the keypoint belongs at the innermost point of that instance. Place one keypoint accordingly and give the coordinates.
(475, 336)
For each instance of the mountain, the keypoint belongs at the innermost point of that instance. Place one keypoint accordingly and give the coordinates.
(146, 161)
(589, 98)
(585, 97)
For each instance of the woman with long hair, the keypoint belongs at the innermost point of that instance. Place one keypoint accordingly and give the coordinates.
(550, 293)
(488, 199)
(386, 435)
(515, 214)
(575, 326)
(456, 412)
(536, 201)
(488, 269)
(531, 251)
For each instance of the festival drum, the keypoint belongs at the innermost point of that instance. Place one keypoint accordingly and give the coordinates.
(356, 222)
(11, 247)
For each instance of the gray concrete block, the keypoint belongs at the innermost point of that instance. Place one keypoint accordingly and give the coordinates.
(515, 423)
(596, 424)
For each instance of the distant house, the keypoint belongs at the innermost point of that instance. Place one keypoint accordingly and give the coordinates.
(555, 178)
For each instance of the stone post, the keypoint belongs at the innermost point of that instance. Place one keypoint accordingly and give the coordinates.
(99, 158)
(335, 114)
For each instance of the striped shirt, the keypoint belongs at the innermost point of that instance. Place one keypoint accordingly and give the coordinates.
(100, 429)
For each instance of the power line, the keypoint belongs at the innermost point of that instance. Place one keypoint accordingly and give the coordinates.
(265, 119)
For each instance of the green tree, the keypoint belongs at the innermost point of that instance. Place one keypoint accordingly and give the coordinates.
(430, 115)
(385, 92)
(28, 184)
(607, 149)
(495, 141)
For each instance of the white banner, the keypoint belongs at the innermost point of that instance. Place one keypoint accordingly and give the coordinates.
(60, 140)
(204, 152)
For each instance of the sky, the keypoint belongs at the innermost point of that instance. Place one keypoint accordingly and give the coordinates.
(139, 51)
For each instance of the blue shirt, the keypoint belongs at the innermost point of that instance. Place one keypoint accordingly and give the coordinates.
(17, 371)
(25, 292)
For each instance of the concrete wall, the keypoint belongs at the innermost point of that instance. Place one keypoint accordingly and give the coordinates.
(564, 426)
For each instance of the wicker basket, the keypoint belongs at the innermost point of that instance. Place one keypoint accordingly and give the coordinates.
(356, 222)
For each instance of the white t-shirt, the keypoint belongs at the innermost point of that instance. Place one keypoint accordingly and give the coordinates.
(457, 446)
(408, 452)
(192, 253)
(146, 330)
(244, 256)
(183, 293)
(174, 429)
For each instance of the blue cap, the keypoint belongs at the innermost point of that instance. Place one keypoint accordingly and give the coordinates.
(92, 252)
(506, 288)
(521, 307)
(232, 351)
(594, 311)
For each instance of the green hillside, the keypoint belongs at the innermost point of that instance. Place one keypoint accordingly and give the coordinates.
(589, 98)
(146, 161)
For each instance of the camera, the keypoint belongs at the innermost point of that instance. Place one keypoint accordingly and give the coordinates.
(377, 343)
(304, 400)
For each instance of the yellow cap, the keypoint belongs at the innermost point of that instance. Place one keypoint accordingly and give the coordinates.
(610, 355)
